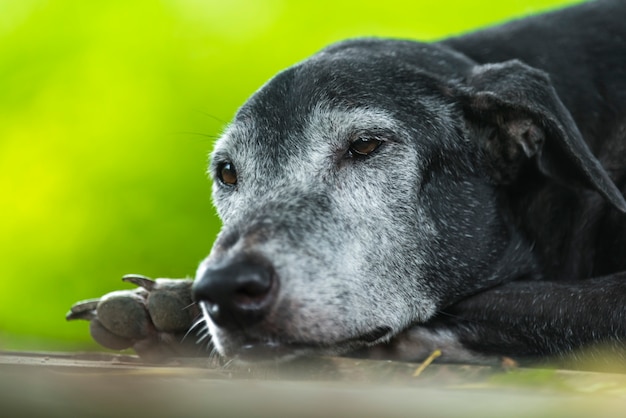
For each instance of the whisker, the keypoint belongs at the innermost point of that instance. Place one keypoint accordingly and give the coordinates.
(190, 305)
(215, 118)
(227, 363)
(196, 134)
(203, 337)
(198, 322)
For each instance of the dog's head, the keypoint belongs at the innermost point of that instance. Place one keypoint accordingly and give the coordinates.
(360, 193)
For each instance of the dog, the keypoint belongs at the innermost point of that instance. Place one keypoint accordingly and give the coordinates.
(385, 198)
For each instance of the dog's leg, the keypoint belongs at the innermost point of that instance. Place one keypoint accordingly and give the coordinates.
(579, 322)
(156, 319)
(537, 319)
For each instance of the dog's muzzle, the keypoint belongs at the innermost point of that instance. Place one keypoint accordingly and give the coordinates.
(236, 293)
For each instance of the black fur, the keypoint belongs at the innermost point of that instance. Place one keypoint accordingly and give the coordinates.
(576, 294)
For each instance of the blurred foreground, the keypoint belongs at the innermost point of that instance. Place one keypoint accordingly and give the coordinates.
(102, 386)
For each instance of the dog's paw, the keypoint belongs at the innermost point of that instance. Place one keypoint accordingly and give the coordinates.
(154, 319)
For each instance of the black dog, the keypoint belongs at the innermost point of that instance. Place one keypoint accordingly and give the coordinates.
(394, 197)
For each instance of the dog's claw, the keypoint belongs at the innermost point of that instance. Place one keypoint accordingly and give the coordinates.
(84, 309)
(151, 319)
(140, 280)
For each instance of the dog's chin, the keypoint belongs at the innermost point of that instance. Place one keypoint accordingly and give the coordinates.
(276, 351)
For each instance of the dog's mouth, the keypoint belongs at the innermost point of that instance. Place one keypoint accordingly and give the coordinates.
(269, 350)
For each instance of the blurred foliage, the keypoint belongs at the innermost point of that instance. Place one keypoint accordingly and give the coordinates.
(108, 110)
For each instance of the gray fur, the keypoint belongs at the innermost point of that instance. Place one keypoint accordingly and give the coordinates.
(341, 240)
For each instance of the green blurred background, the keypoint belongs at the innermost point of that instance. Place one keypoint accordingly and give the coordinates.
(108, 110)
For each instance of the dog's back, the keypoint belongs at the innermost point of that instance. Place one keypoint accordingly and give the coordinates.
(583, 49)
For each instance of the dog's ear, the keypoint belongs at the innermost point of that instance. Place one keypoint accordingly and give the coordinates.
(518, 116)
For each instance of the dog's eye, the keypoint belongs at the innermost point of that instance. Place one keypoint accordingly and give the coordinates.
(227, 174)
(364, 146)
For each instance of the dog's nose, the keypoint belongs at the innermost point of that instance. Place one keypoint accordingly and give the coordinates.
(238, 293)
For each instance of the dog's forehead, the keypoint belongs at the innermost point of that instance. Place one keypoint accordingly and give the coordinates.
(317, 134)
(288, 102)
(357, 85)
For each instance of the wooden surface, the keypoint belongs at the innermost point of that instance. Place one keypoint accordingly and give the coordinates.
(103, 385)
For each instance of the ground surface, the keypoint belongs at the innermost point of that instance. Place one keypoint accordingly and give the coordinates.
(99, 385)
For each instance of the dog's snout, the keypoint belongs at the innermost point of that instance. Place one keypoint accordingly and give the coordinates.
(237, 293)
